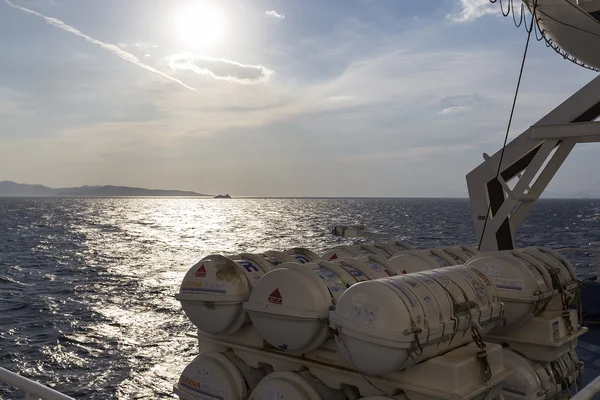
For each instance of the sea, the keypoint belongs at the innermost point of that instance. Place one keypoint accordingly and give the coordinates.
(87, 285)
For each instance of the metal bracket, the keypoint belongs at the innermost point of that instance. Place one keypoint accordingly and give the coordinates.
(529, 160)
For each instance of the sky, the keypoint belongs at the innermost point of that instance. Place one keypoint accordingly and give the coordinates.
(271, 97)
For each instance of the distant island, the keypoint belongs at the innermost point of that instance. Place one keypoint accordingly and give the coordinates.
(13, 189)
(222, 196)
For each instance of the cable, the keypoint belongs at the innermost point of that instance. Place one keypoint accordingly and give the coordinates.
(512, 111)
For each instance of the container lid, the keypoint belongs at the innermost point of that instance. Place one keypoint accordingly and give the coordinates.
(290, 305)
(285, 385)
(214, 278)
(218, 310)
(525, 382)
(211, 376)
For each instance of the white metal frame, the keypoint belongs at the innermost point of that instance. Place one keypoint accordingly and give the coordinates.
(538, 152)
(33, 390)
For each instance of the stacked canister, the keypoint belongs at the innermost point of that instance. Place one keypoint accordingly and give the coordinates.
(386, 307)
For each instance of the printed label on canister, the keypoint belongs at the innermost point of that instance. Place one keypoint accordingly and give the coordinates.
(356, 274)
(332, 281)
(251, 270)
(440, 260)
(377, 268)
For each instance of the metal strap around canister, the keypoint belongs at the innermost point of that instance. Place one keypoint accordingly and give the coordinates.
(566, 315)
(236, 361)
(476, 332)
(414, 328)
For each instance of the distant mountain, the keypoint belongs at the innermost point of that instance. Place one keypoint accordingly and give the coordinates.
(13, 189)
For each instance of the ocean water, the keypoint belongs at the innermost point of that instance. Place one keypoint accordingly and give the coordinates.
(87, 285)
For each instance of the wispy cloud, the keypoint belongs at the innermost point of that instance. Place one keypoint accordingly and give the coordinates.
(114, 49)
(274, 14)
(459, 104)
(407, 154)
(453, 110)
(220, 68)
(473, 9)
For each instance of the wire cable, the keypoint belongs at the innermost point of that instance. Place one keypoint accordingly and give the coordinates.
(512, 112)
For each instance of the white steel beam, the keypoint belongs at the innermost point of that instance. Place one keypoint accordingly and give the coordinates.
(590, 130)
(570, 123)
(559, 156)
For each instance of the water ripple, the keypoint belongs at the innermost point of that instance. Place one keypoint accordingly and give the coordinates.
(87, 285)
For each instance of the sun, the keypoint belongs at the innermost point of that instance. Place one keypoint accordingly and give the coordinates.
(201, 24)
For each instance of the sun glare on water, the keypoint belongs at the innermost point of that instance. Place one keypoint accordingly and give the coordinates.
(201, 24)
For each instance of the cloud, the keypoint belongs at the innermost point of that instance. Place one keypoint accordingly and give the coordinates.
(114, 49)
(459, 104)
(274, 14)
(220, 68)
(405, 155)
(453, 110)
(341, 98)
(473, 9)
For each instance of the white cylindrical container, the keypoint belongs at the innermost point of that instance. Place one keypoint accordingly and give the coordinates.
(220, 376)
(529, 282)
(410, 261)
(461, 254)
(393, 248)
(535, 380)
(302, 255)
(353, 251)
(301, 385)
(385, 325)
(213, 290)
(371, 266)
(290, 305)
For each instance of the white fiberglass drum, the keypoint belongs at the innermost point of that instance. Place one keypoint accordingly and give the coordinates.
(302, 255)
(460, 254)
(535, 380)
(378, 264)
(393, 248)
(407, 262)
(213, 290)
(352, 251)
(388, 324)
(294, 386)
(529, 282)
(290, 305)
(221, 376)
